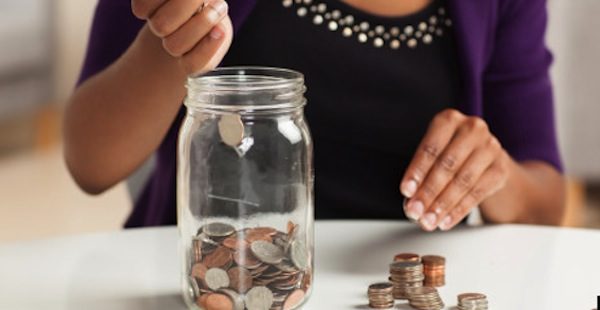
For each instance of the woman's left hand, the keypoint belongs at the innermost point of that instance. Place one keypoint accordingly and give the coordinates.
(457, 166)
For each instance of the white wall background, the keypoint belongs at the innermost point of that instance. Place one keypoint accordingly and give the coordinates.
(574, 37)
(72, 20)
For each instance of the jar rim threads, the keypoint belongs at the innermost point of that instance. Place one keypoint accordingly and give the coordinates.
(279, 90)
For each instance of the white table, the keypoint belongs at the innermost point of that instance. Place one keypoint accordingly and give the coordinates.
(518, 267)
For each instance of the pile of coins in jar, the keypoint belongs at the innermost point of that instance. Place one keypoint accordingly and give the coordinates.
(416, 279)
(253, 268)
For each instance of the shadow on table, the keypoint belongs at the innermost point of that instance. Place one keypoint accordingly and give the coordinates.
(398, 306)
(170, 301)
(372, 255)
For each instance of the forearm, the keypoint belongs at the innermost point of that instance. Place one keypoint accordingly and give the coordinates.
(116, 119)
(534, 194)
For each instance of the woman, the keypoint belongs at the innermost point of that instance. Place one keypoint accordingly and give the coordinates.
(447, 103)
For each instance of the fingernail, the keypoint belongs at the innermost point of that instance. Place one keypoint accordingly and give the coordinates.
(216, 33)
(415, 210)
(218, 8)
(409, 188)
(445, 224)
(428, 221)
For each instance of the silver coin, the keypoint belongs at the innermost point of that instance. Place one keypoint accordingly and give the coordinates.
(286, 266)
(259, 298)
(194, 288)
(218, 230)
(231, 129)
(267, 252)
(299, 254)
(238, 301)
(216, 278)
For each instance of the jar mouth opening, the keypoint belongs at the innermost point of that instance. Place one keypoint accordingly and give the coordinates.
(284, 86)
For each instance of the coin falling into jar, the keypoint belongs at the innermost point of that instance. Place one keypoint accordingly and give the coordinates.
(231, 129)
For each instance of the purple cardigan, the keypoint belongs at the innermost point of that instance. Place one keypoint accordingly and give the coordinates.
(504, 71)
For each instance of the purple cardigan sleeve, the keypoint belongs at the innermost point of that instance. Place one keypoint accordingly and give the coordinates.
(517, 92)
(113, 30)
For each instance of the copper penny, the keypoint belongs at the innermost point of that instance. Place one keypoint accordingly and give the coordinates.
(264, 230)
(292, 228)
(219, 302)
(293, 300)
(253, 235)
(197, 249)
(219, 258)
(433, 260)
(201, 300)
(241, 279)
(199, 271)
(407, 257)
(235, 243)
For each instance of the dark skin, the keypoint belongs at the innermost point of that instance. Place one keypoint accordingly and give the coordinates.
(128, 108)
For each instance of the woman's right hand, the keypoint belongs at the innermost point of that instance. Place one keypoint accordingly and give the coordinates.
(198, 34)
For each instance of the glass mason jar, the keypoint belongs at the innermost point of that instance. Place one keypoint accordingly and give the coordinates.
(245, 191)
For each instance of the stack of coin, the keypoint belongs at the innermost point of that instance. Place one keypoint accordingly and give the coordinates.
(380, 295)
(253, 268)
(405, 275)
(434, 268)
(424, 298)
(472, 301)
(407, 257)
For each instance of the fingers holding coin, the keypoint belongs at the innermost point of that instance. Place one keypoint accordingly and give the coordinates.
(198, 27)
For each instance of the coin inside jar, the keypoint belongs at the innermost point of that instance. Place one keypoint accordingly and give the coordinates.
(299, 254)
(231, 129)
(216, 278)
(240, 279)
(199, 271)
(259, 298)
(219, 302)
(293, 300)
(218, 229)
(267, 252)
(220, 257)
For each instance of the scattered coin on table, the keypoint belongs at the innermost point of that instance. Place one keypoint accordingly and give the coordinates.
(380, 295)
(434, 268)
(416, 279)
(472, 301)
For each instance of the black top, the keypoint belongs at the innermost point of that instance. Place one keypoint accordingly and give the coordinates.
(369, 103)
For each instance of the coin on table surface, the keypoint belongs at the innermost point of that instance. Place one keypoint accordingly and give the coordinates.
(267, 252)
(218, 230)
(471, 296)
(299, 254)
(381, 286)
(433, 260)
(231, 129)
(240, 279)
(293, 300)
(259, 298)
(407, 257)
(219, 302)
(216, 278)
(221, 257)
